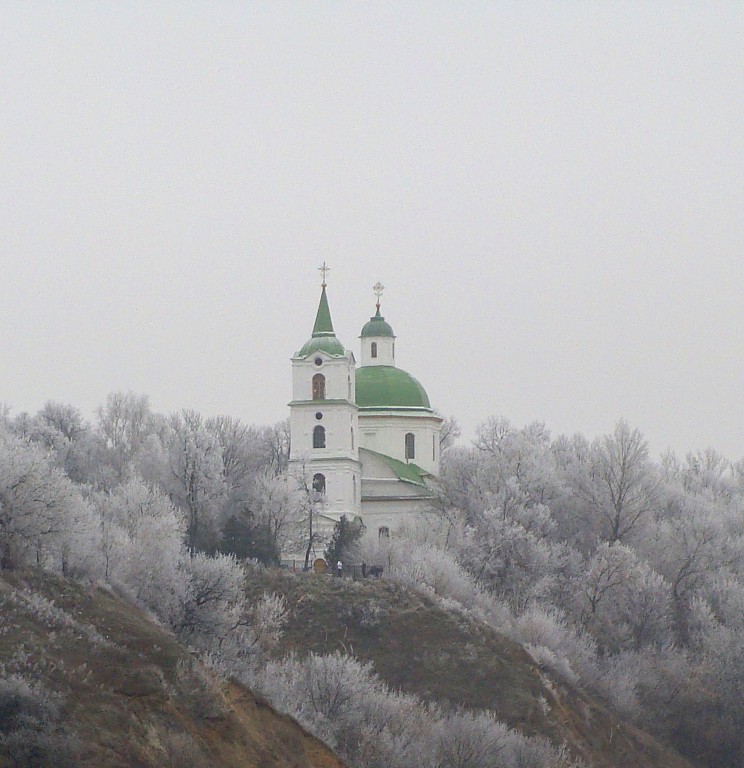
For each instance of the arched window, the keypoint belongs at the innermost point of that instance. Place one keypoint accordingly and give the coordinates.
(352, 438)
(319, 387)
(373, 349)
(383, 532)
(319, 437)
(319, 483)
(410, 446)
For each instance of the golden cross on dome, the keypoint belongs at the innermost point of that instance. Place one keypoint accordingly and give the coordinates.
(324, 270)
(378, 288)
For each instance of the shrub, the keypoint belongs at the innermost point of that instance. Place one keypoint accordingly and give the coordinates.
(344, 702)
(182, 751)
(30, 733)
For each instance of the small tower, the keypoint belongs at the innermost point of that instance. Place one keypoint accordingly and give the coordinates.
(395, 414)
(378, 339)
(324, 427)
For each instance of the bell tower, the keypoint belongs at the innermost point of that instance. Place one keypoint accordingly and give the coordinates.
(324, 424)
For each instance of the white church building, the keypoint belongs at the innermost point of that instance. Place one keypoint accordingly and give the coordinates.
(366, 435)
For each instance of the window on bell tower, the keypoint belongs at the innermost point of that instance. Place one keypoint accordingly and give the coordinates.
(319, 483)
(410, 446)
(319, 387)
(319, 437)
(373, 349)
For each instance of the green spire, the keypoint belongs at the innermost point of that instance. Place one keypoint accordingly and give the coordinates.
(323, 338)
(323, 323)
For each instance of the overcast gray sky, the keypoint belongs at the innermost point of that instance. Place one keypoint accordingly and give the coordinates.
(552, 193)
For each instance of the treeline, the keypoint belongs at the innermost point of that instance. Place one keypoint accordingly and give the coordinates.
(224, 478)
(167, 510)
(149, 504)
(622, 574)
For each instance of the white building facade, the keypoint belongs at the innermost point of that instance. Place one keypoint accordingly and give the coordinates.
(367, 436)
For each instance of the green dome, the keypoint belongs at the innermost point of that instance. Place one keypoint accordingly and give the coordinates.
(384, 386)
(377, 327)
(328, 344)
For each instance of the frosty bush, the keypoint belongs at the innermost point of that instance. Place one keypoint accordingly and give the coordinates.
(468, 740)
(214, 605)
(30, 731)
(267, 618)
(424, 566)
(344, 702)
(558, 645)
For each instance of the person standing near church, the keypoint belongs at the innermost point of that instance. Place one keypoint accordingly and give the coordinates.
(339, 568)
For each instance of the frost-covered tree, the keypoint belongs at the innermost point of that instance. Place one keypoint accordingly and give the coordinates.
(195, 478)
(41, 511)
(142, 543)
(215, 613)
(707, 470)
(62, 429)
(449, 432)
(125, 422)
(277, 503)
(506, 470)
(693, 541)
(344, 542)
(622, 601)
(310, 502)
(242, 451)
(518, 565)
(275, 440)
(617, 483)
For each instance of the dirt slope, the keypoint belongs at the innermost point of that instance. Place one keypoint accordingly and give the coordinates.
(132, 695)
(420, 648)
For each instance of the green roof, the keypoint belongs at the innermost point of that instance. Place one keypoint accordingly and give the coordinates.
(408, 473)
(384, 386)
(329, 344)
(323, 338)
(323, 324)
(377, 327)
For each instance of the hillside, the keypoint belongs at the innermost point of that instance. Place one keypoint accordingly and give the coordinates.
(130, 695)
(420, 648)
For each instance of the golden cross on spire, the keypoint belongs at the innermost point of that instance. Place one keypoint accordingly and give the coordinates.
(378, 288)
(324, 270)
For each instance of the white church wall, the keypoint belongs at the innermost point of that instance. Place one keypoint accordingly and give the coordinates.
(339, 374)
(340, 423)
(385, 350)
(393, 515)
(385, 431)
(342, 482)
